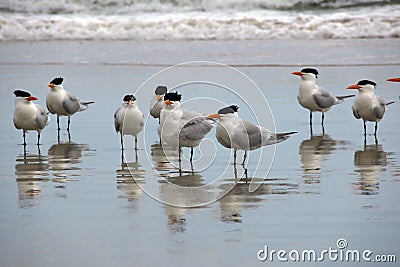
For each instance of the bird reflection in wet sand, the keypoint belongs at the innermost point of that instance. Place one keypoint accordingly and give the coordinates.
(314, 151)
(239, 198)
(130, 178)
(182, 191)
(369, 163)
(66, 157)
(31, 171)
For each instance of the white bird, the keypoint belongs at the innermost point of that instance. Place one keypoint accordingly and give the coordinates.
(28, 115)
(157, 102)
(63, 103)
(179, 127)
(128, 119)
(313, 97)
(393, 80)
(232, 132)
(367, 105)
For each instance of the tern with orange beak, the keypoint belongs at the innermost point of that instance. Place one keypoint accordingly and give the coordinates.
(232, 132)
(28, 115)
(368, 106)
(313, 97)
(180, 127)
(63, 103)
(128, 119)
(157, 102)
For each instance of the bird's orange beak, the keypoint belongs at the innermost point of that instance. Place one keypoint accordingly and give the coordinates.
(51, 85)
(354, 86)
(298, 73)
(214, 116)
(30, 98)
(394, 80)
(168, 102)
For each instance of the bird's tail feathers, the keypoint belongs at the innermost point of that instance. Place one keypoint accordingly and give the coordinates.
(389, 103)
(280, 137)
(341, 98)
(85, 105)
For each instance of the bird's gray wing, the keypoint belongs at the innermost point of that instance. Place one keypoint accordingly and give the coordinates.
(117, 125)
(42, 119)
(253, 133)
(379, 109)
(49, 108)
(355, 113)
(223, 136)
(195, 129)
(324, 99)
(71, 104)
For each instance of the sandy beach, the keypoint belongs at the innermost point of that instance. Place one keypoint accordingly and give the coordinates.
(76, 204)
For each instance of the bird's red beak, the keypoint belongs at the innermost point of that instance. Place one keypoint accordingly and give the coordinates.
(51, 85)
(354, 86)
(298, 73)
(30, 98)
(394, 80)
(214, 116)
(168, 102)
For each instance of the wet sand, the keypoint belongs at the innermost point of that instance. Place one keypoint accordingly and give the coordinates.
(76, 203)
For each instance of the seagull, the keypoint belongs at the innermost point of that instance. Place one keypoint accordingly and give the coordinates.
(313, 97)
(232, 132)
(28, 115)
(157, 102)
(63, 103)
(180, 127)
(393, 80)
(128, 119)
(367, 105)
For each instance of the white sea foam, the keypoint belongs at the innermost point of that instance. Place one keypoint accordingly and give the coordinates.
(207, 19)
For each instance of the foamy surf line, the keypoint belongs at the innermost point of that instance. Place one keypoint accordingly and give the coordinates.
(203, 26)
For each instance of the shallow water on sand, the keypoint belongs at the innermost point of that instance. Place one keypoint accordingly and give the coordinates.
(75, 202)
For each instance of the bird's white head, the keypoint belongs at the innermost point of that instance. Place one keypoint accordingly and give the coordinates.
(227, 113)
(23, 97)
(172, 100)
(363, 86)
(56, 84)
(129, 100)
(307, 74)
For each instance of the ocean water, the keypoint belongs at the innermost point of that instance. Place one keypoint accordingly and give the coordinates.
(198, 20)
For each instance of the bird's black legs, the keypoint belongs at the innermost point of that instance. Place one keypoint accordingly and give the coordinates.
(122, 141)
(376, 128)
(365, 128)
(310, 118)
(24, 134)
(58, 123)
(244, 157)
(38, 138)
(191, 154)
(69, 122)
(136, 143)
(234, 156)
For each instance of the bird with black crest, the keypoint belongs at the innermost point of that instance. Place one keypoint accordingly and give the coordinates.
(232, 132)
(313, 97)
(368, 106)
(63, 103)
(157, 102)
(28, 115)
(128, 119)
(180, 127)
